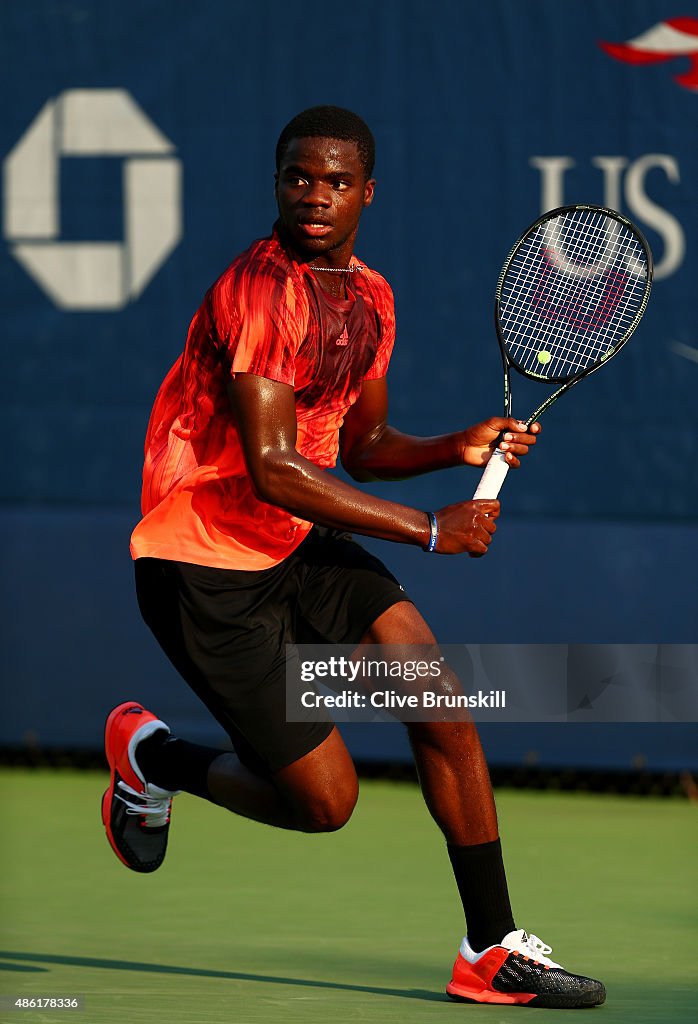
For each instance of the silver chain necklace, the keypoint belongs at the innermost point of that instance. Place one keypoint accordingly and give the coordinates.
(338, 270)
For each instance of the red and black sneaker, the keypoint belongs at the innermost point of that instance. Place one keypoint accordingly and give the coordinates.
(135, 813)
(518, 972)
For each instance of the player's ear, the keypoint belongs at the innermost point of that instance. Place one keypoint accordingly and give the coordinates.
(276, 184)
(369, 190)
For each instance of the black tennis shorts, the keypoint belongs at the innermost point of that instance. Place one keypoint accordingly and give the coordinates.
(226, 631)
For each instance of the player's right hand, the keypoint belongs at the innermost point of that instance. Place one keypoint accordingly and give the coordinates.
(467, 526)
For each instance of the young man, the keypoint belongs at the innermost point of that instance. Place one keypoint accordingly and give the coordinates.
(244, 548)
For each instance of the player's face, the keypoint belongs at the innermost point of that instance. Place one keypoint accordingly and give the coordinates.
(321, 191)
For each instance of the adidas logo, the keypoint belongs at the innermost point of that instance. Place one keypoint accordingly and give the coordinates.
(343, 339)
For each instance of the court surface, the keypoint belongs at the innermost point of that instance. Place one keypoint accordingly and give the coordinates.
(246, 924)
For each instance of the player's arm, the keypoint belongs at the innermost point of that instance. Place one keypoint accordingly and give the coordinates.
(265, 413)
(373, 450)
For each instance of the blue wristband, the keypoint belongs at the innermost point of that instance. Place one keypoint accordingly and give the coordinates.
(433, 532)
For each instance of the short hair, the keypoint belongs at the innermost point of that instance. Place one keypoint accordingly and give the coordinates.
(328, 122)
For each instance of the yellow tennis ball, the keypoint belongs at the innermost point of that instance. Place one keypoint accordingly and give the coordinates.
(544, 357)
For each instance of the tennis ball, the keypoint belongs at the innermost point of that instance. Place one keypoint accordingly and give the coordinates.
(544, 357)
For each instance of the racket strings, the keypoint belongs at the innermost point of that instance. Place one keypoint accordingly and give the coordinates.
(564, 289)
(578, 301)
(571, 293)
(606, 307)
(588, 308)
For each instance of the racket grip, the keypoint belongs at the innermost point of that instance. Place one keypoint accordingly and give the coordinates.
(493, 476)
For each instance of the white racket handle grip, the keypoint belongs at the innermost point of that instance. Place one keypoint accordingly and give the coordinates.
(493, 476)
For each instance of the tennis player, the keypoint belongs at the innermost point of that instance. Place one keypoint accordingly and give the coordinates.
(245, 546)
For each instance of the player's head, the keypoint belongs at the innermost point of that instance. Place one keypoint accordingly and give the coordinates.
(329, 122)
(323, 183)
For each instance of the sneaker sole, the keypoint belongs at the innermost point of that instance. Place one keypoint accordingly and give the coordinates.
(550, 1001)
(460, 994)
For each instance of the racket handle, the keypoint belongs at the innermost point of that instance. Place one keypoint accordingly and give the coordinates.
(493, 476)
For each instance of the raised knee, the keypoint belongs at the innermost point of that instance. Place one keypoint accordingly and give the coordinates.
(328, 813)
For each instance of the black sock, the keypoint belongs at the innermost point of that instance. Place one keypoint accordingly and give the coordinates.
(171, 763)
(482, 885)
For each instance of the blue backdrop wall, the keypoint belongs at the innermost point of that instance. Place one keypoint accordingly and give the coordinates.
(137, 144)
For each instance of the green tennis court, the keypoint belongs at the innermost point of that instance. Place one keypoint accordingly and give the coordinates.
(247, 924)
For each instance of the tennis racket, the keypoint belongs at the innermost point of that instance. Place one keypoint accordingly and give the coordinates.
(571, 292)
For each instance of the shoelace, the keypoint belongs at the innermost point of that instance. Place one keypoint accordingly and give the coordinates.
(155, 809)
(537, 945)
(535, 948)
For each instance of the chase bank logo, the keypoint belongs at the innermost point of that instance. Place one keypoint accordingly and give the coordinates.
(92, 275)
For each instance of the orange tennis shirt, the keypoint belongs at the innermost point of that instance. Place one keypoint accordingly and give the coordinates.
(266, 315)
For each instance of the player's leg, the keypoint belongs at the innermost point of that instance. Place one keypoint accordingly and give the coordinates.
(349, 597)
(314, 793)
(452, 769)
(455, 782)
(496, 963)
(291, 775)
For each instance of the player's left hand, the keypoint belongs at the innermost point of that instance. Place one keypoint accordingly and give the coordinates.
(512, 436)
